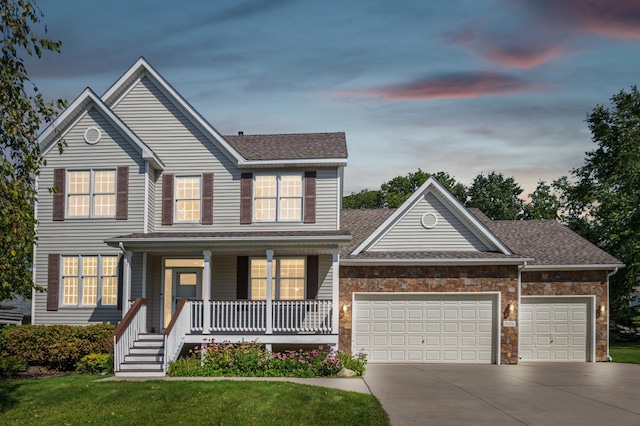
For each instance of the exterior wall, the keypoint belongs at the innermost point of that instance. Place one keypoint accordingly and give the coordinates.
(433, 279)
(325, 279)
(151, 212)
(83, 236)
(573, 283)
(450, 233)
(185, 150)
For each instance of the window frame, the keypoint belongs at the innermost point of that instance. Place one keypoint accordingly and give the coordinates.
(176, 199)
(277, 277)
(80, 284)
(278, 197)
(91, 194)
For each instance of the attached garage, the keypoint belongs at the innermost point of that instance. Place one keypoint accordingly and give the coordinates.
(557, 329)
(426, 327)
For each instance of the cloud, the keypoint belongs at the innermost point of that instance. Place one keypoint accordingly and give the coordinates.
(611, 18)
(520, 56)
(452, 86)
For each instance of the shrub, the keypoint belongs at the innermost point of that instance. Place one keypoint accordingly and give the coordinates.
(253, 360)
(95, 364)
(57, 347)
(10, 365)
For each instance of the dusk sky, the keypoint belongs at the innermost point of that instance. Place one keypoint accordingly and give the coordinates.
(462, 86)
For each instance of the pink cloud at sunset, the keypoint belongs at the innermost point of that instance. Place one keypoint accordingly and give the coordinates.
(522, 57)
(452, 86)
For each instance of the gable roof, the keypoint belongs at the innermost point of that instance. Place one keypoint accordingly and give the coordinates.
(277, 155)
(550, 243)
(301, 146)
(83, 103)
(475, 226)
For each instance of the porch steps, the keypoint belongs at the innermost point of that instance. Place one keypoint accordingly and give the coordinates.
(145, 359)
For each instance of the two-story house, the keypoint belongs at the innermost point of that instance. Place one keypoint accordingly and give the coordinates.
(181, 235)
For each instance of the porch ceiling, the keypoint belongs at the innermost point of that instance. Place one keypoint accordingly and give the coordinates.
(229, 241)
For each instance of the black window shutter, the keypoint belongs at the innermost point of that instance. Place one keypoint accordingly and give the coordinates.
(207, 198)
(122, 196)
(242, 278)
(59, 195)
(312, 277)
(246, 198)
(309, 197)
(53, 282)
(167, 199)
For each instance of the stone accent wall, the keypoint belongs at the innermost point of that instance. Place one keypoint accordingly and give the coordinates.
(503, 279)
(574, 283)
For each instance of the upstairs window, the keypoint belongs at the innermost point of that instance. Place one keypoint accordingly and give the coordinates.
(91, 193)
(278, 197)
(188, 198)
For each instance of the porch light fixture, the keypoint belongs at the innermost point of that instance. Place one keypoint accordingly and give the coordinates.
(507, 311)
(601, 311)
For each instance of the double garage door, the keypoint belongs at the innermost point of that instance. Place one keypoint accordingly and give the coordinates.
(422, 328)
(555, 329)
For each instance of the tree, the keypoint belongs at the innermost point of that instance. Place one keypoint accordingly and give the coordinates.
(496, 196)
(23, 111)
(543, 204)
(396, 191)
(604, 203)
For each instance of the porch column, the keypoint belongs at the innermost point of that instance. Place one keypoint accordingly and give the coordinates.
(126, 281)
(336, 292)
(206, 291)
(269, 292)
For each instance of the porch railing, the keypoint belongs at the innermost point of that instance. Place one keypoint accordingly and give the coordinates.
(132, 325)
(250, 316)
(175, 332)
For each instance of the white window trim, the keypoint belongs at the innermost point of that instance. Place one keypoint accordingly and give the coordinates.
(276, 276)
(176, 199)
(278, 176)
(91, 193)
(80, 283)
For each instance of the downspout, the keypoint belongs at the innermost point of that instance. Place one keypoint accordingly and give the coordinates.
(609, 275)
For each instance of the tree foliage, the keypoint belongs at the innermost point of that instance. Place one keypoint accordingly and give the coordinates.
(544, 203)
(496, 196)
(23, 111)
(396, 191)
(603, 204)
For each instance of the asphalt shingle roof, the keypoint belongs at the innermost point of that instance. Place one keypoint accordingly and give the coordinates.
(547, 241)
(300, 146)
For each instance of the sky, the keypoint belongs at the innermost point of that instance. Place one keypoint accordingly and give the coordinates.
(461, 86)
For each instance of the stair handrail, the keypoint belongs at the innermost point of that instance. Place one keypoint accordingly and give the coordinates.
(178, 327)
(130, 327)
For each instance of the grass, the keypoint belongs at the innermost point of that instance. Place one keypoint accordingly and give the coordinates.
(628, 352)
(75, 400)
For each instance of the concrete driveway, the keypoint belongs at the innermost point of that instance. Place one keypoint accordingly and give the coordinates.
(529, 394)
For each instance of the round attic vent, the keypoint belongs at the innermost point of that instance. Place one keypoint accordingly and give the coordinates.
(92, 135)
(429, 220)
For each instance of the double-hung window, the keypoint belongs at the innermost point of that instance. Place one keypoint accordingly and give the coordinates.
(188, 196)
(278, 197)
(288, 278)
(90, 280)
(91, 193)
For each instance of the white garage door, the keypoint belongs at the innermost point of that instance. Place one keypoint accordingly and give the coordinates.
(403, 327)
(554, 329)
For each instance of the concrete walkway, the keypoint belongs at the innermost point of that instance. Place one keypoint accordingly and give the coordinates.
(526, 394)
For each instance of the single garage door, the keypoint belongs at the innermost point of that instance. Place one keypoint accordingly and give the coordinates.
(554, 329)
(422, 328)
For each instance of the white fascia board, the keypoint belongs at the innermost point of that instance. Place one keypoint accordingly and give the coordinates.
(86, 98)
(432, 262)
(316, 162)
(329, 240)
(142, 66)
(585, 267)
(436, 187)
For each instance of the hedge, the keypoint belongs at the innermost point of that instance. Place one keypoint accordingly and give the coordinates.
(57, 347)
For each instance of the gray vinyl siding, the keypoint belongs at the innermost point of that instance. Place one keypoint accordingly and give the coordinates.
(223, 277)
(185, 150)
(151, 214)
(136, 275)
(85, 236)
(450, 234)
(325, 282)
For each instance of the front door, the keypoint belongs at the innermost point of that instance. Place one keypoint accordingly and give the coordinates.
(187, 283)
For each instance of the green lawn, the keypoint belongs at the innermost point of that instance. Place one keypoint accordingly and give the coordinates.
(625, 352)
(79, 400)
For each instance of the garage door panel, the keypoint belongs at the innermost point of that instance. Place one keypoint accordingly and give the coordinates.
(434, 328)
(553, 330)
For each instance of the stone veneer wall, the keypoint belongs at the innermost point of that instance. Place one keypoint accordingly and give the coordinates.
(503, 279)
(574, 283)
